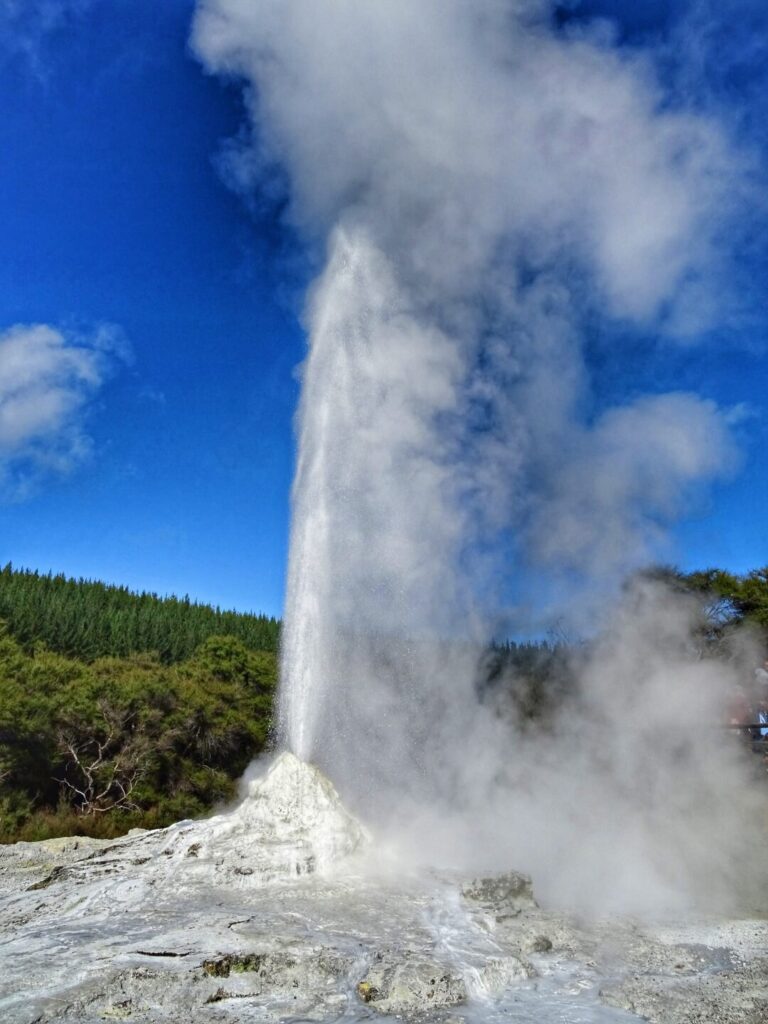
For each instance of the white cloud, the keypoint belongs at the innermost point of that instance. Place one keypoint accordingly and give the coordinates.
(48, 380)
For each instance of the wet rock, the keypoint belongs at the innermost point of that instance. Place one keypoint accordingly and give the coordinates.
(727, 997)
(308, 982)
(505, 895)
(291, 824)
(119, 1011)
(303, 972)
(538, 944)
(34, 866)
(411, 987)
(222, 966)
(499, 972)
(81, 845)
(57, 873)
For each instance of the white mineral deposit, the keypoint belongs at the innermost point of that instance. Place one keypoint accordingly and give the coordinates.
(280, 911)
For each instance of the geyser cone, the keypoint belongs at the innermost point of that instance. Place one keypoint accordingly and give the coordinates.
(298, 803)
(291, 823)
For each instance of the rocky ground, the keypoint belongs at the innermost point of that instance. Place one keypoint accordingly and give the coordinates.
(274, 913)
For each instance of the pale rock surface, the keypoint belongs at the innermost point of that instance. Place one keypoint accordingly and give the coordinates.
(506, 895)
(272, 913)
(738, 997)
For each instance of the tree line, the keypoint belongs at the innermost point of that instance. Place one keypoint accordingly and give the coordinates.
(89, 620)
(731, 599)
(122, 709)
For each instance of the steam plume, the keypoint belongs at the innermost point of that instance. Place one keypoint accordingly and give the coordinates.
(479, 184)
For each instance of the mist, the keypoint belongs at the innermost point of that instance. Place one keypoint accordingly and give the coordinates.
(478, 188)
(633, 798)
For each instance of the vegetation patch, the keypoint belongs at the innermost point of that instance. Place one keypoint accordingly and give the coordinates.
(97, 748)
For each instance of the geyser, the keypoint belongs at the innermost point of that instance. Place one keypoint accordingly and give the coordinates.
(487, 192)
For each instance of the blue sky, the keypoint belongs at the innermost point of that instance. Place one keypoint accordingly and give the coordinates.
(114, 213)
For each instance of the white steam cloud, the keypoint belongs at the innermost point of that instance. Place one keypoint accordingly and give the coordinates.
(48, 378)
(480, 185)
(506, 180)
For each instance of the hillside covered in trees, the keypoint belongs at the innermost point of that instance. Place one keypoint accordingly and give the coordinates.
(120, 709)
(731, 600)
(100, 747)
(89, 620)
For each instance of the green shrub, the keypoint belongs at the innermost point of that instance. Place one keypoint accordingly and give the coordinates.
(98, 748)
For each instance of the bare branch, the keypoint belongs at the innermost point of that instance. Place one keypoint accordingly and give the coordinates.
(103, 770)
